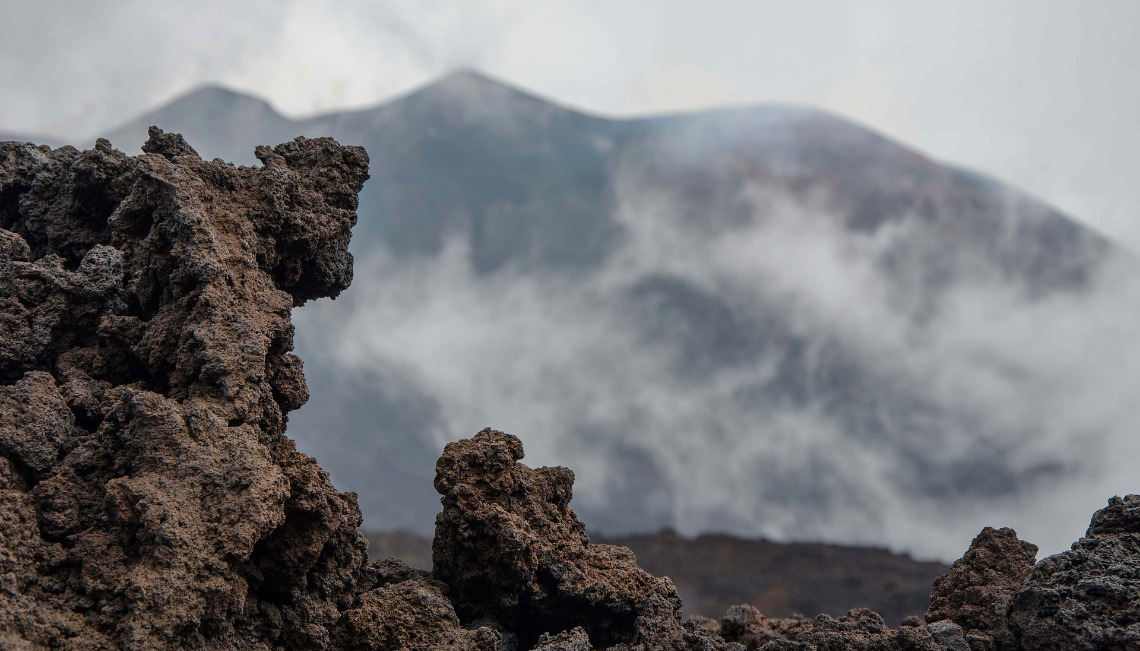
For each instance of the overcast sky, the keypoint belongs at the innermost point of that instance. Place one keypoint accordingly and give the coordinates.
(1041, 93)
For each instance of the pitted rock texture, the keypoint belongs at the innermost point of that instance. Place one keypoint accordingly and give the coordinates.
(148, 495)
(510, 549)
(1088, 597)
(976, 592)
(859, 630)
(575, 639)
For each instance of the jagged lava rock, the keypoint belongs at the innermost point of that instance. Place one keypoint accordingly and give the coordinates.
(860, 630)
(510, 549)
(976, 591)
(1087, 597)
(148, 495)
(408, 611)
(573, 640)
(748, 626)
(865, 630)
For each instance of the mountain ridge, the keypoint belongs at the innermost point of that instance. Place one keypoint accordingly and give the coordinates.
(130, 134)
(134, 129)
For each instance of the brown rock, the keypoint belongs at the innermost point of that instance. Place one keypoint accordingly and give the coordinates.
(150, 497)
(34, 421)
(511, 549)
(864, 630)
(572, 640)
(976, 592)
(413, 615)
(748, 626)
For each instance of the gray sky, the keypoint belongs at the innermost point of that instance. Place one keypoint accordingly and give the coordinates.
(1041, 93)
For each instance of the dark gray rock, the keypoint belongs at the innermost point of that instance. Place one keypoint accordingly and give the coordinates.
(1088, 597)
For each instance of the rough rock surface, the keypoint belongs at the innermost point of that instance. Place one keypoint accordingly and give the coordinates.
(148, 495)
(407, 610)
(860, 629)
(976, 592)
(150, 499)
(1089, 596)
(512, 550)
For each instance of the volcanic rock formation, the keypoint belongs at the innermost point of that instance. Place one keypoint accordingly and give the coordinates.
(149, 497)
(977, 590)
(1088, 597)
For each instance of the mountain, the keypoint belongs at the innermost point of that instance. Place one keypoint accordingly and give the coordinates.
(763, 320)
(220, 122)
(38, 139)
(458, 150)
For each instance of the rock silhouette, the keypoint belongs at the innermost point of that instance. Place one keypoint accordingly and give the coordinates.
(149, 497)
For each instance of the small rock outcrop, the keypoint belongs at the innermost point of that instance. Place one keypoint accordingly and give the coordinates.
(976, 592)
(511, 550)
(1088, 597)
(150, 499)
(859, 630)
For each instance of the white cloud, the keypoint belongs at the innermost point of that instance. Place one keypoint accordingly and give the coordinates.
(565, 365)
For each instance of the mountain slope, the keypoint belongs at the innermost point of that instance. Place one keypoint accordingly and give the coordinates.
(768, 320)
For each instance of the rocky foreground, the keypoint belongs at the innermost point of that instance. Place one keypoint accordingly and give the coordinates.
(715, 571)
(150, 497)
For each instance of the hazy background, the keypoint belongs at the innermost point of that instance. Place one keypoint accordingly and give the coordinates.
(1041, 93)
(744, 357)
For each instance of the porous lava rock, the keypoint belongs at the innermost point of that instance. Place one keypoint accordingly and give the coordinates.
(976, 591)
(1088, 597)
(748, 626)
(407, 610)
(510, 549)
(859, 630)
(575, 639)
(148, 495)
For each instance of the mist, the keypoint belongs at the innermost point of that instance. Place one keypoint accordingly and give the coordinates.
(751, 364)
